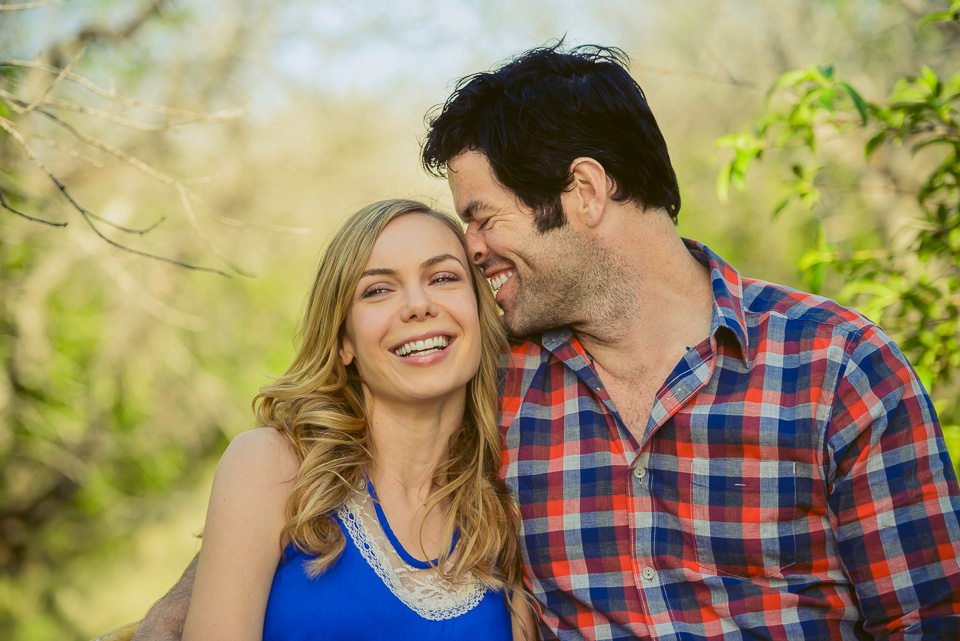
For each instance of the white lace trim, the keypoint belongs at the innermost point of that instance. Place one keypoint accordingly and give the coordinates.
(422, 590)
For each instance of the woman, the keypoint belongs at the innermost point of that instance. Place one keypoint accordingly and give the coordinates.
(370, 496)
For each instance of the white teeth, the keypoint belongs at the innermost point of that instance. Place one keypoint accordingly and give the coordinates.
(426, 346)
(497, 281)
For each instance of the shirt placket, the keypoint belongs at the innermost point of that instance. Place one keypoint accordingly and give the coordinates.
(688, 378)
(683, 385)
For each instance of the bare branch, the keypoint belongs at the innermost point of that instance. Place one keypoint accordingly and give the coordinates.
(233, 222)
(717, 60)
(56, 145)
(129, 230)
(219, 116)
(692, 73)
(87, 216)
(156, 308)
(28, 5)
(165, 179)
(191, 216)
(20, 107)
(63, 72)
(4, 205)
(120, 33)
(185, 195)
(110, 94)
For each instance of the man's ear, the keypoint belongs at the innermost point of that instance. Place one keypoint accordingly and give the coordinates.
(589, 189)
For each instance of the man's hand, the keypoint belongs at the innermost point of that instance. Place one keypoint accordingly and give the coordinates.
(164, 621)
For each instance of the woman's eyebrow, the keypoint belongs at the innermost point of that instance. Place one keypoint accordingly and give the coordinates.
(386, 271)
(430, 262)
(378, 271)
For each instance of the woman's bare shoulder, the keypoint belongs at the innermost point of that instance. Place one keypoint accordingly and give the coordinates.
(262, 452)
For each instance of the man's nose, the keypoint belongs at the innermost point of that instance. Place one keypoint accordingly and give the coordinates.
(476, 246)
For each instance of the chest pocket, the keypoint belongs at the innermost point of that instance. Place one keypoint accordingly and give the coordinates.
(744, 515)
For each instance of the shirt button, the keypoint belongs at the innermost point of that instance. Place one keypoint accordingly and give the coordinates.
(639, 472)
(648, 573)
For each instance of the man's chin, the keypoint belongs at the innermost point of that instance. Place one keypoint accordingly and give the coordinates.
(519, 326)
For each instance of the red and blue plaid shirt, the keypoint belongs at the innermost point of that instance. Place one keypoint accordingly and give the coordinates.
(791, 483)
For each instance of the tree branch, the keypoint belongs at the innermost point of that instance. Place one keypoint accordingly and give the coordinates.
(63, 72)
(87, 216)
(4, 205)
(28, 5)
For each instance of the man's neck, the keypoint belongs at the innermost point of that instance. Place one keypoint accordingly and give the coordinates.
(663, 307)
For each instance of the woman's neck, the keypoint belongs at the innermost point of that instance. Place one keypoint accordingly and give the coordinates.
(410, 440)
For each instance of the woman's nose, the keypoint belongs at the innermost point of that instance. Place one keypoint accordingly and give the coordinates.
(418, 305)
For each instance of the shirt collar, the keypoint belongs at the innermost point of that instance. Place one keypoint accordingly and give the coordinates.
(727, 304)
(727, 295)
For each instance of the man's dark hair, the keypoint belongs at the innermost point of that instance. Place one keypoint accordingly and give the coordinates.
(534, 115)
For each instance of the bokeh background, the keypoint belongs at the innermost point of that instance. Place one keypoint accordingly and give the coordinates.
(249, 129)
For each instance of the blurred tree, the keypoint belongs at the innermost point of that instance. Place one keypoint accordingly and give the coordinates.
(108, 392)
(35, 98)
(894, 255)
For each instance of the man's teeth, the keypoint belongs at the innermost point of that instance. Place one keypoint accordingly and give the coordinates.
(426, 346)
(497, 281)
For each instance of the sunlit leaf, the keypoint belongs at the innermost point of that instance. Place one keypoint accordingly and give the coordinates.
(723, 182)
(826, 99)
(938, 16)
(929, 77)
(789, 79)
(858, 101)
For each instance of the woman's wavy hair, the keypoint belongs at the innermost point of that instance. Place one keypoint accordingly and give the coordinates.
(318, 405)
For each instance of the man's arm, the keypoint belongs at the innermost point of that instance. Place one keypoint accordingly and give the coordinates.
(164, 621)
(894, 496)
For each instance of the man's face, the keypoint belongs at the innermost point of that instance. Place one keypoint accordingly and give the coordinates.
(539, 278)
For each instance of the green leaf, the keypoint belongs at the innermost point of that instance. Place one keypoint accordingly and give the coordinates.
(929, 77)
(931, 141)
(729, 140)
(826, 98)
(815, 276)
(788, 79)
(952, 87)
(826, 71)
(937, 16)
(858, 101)
(874, 142)
(723, 182)
(781, 206)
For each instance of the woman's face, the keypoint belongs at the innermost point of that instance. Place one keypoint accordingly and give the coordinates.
(412, 330)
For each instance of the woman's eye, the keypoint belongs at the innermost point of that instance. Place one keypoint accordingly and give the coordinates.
(446, 277)
(374, 290)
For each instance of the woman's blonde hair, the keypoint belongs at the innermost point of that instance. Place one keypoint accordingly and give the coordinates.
(318, 405)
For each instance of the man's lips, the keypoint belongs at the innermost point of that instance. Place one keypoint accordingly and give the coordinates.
(498, 276)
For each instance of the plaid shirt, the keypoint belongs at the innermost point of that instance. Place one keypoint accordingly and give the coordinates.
(791, 483)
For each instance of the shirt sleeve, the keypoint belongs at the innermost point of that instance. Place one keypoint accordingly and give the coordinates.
(893, 496)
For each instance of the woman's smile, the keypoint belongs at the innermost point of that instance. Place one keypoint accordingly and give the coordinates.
(413, 330)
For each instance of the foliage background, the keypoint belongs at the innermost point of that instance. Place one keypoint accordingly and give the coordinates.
(123, 378)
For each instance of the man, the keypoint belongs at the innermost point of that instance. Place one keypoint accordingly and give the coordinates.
(696, 455)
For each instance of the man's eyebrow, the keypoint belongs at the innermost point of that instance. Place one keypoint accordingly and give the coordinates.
(471, 209)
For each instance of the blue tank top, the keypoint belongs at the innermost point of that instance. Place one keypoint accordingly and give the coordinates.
(376, 590)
